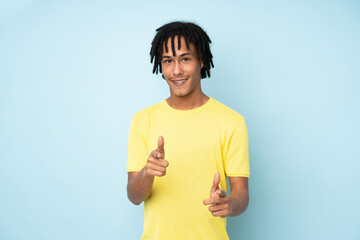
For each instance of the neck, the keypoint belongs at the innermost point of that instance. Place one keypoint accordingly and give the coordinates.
(187, 102)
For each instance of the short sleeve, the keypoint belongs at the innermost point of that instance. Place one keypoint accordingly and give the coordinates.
(137, 147)
(237, 158)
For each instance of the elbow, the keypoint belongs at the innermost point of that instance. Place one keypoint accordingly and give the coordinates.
(137, 203)
(132, 198)
(134, 201)
(246, 204)
(239, 203)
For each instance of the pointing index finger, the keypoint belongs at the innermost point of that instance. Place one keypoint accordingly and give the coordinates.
(216, 182)
(161, 144)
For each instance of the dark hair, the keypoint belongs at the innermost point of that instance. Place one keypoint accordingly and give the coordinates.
(192, 33)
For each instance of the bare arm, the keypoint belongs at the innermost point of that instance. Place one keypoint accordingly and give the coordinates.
(239, 196)
(139, 186)
(140, 183)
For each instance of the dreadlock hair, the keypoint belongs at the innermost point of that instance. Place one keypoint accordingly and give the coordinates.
(192, 33)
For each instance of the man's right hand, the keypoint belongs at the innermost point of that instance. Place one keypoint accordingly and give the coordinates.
(156, 164)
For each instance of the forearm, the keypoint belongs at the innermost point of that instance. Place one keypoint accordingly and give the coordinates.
(238, 202)
(139, 187)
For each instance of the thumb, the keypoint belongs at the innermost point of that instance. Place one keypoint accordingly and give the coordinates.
(161, 144)
(216, 182)
(221, 193)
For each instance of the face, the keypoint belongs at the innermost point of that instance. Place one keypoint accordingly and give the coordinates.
(182, 71)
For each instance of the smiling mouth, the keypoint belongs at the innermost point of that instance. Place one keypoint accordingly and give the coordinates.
(179, 82)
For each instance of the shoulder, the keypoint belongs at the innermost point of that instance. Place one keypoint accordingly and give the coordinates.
(226, 112)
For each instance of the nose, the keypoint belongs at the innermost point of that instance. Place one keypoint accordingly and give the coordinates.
(177, 69)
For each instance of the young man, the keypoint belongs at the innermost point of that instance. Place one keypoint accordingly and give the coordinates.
(182, 149)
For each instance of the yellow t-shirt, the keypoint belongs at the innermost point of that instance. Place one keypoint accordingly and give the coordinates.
(198, 143)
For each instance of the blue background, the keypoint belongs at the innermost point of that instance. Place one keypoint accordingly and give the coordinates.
(72, 74)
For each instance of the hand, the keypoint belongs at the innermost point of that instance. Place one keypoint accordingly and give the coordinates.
(156, 164)
(218, 200)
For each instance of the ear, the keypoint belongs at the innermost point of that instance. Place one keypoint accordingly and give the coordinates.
(201, 63)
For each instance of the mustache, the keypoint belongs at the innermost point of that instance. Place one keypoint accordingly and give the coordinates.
(178, 78)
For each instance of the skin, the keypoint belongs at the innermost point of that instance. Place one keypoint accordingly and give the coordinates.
(185, 65)
(140, 183)
(233, 205)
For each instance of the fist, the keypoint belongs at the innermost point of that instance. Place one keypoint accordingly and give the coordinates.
(156, 164)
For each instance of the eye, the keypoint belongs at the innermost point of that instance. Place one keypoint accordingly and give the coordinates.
(167, 61)
(186, 59)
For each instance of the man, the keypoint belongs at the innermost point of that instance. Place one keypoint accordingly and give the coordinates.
(182, 150)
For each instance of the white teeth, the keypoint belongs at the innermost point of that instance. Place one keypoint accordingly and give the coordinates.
(179, 82)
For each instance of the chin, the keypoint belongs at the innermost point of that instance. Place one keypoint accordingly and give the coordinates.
(182, 94)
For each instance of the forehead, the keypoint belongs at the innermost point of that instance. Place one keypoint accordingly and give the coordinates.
(169, 45)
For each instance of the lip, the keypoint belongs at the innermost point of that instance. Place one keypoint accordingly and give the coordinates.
(179, 84)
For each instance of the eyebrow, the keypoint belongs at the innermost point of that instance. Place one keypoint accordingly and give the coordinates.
(184, 54)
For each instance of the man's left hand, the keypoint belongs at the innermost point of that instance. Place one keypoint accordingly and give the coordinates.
(218, 200)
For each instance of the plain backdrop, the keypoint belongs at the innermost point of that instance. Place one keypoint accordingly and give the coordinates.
(73, 73)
